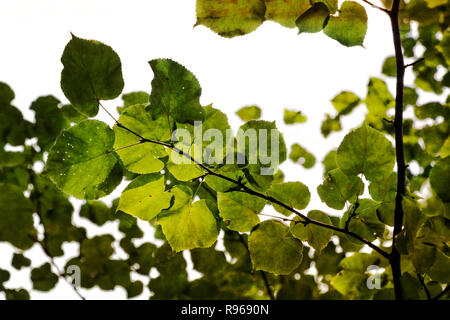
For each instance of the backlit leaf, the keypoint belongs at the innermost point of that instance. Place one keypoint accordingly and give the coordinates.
(349, 28)
(273, 249)
(92, 72)
(81, 162)
(367, 151)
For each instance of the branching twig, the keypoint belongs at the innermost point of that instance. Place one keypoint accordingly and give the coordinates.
(243, 188)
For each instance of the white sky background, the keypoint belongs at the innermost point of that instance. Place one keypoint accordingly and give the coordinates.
(272, 67)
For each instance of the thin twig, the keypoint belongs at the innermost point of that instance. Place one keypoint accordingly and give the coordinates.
(347, 223)
(440, 295)
(422, 282)
(414, 63)
(58, 271)
(376, 7)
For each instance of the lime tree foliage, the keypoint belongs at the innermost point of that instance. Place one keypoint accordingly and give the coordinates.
(246, 233)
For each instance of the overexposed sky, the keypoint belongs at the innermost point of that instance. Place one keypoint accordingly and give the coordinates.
(272, 67)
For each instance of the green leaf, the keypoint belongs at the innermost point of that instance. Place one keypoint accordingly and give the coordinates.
(187, 224)
(445, 149)
(273, 249)
(239, 210)
(11, 159)
(6, 94)
(71, 114)
(55, 212)
(317, 237)
(285, 12)
(330, 124)
(329, 162)
(175, 92)
(385, 190)
(4, 276)
(378, 100)
(351, 282)
(440, 178)
(49, 120)
(293, 194)
(364, 220)
(390, 67)
(132, 98)
(345, 102)
(16, 220)
(97, 212)
(249, 113)
(17, 294)
(292, 117)
(221, 185)
(302, 156)
(43, 278)
(139, 157)
(185, 171)
(440, 271)
(331, 4)
(359, 262)
(444, 45)
(432, 110)
(339, 188)
(134, 289)
(208, 145)
(13, 128)
(314, 19)
(349, 28)
(435, 3)
(365, 150)
(208, 261)
(92, 72)
(81, 162)
(263, 146)
(144, 197)
(144, 257)
(230, 19)
(19, 261)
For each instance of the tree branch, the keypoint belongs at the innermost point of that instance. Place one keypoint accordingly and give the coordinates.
(243, 188)
(400, 156)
